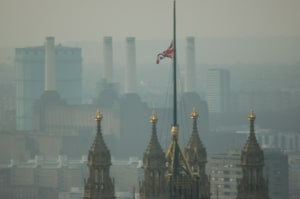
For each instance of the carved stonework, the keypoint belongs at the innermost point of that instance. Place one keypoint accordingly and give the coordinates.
(196, 156)
(252, 184)
(177, 173)
(154, 184)
(99, 185)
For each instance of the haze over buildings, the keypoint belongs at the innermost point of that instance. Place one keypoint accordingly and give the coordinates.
(105, 52)
(45, 68)
(92, 20)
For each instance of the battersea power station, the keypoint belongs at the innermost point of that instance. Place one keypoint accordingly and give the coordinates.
(179, 172)
(122, 123)
(60, 125)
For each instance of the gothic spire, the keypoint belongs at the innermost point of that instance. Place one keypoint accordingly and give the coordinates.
(99, 185)
(154, 150)
(154, 184)
(99, 149)
(252, 184)
(252, 153)
(196, 156)
(195, 144)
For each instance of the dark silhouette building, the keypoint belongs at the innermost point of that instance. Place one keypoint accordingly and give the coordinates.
(99, 185)
(196, 157)
(252, 184)
(154, 184)
(177, 173)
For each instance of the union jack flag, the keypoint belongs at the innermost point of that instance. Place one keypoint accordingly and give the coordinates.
(167, 53)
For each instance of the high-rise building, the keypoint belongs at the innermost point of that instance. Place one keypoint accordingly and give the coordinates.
(190, 69)
(99, 184)
(30, 78)
(225, 171)
(276, 170)
(252, 183)
(108, 74)
(218, 90)
(294, 175)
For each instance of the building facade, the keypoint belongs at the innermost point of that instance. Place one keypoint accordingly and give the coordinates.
(30, 78)
(294, 175)
(225, 171)
(41, 177)
(218, 90)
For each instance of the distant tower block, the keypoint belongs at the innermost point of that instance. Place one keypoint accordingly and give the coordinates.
(130, 70)
(108, 74)
(190, 70)
(50, 65)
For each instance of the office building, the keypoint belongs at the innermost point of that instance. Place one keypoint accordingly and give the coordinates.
(218, 90)
(294, 175)
(226, 171)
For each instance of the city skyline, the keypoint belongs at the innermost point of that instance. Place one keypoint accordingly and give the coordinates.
(43, 161)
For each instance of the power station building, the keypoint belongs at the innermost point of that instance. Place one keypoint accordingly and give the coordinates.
(54, 72)
(125, 114)
(30, 78)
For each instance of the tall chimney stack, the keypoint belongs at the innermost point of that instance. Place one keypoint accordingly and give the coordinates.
(108, 59)
(130, 69)
(50, 65)
(190, 70)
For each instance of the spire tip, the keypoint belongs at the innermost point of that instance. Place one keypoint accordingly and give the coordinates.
(98, 116)
(251, 115)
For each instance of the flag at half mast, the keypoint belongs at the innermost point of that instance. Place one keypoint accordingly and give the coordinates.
(167, 53)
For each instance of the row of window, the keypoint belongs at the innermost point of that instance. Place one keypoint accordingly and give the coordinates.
(226, 172)
(223, 179)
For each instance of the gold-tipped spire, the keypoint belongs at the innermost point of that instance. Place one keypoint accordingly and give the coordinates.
(98, 116)
(99, 162)
(251, 115)
(153, 117)
(194, 114)
(174, 131)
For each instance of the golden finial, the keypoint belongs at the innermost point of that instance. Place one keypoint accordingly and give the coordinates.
(174, 131)
(153, 117)
(194, 113)
(98, 116)
(251, 115)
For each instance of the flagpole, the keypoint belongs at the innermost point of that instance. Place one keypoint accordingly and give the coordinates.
(174, 68)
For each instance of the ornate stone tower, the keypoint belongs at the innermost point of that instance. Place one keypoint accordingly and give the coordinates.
(196, 157)
(178, 174)
(252, 184)
(154, 184)
(99, 185)
(180, 179)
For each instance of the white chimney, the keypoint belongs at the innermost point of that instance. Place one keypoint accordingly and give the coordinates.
(50, 65)
(190, 70)
(130, 69)
(108, 59)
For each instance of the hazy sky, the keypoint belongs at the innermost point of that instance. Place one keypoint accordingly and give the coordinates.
(28, 22)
